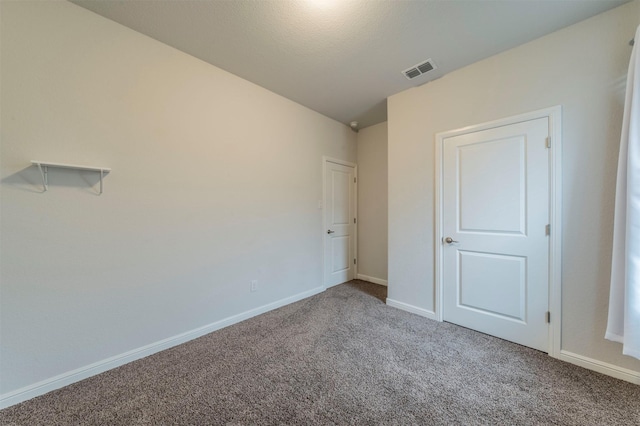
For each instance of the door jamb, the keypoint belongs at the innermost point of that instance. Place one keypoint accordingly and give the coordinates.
(325, 160)
(554, 115)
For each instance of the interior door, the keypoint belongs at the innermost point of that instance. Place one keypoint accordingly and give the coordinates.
(339, 241)
(495, 245)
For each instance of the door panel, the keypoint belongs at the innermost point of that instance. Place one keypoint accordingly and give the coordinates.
(340, 191)
(508, 280)
(495, 211)
(506, 160)
(340, 254)
(339, 251)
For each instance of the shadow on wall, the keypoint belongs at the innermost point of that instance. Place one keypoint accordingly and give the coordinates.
(30, 180)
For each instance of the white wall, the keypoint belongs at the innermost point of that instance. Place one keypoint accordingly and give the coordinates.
(215, 182)
(583, 68)
(372, 203)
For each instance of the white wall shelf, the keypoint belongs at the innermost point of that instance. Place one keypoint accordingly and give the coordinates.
(44, 166)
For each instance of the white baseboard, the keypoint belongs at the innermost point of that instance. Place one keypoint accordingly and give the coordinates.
(11, 398)
(372, 279)
(413, 309)
(601, 367)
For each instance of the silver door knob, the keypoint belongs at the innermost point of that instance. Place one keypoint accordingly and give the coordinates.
(330, 231)
(449, 240)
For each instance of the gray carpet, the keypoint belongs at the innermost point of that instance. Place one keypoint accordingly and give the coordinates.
(340, 357)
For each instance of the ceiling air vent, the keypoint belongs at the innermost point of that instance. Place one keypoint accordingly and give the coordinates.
(419, 69)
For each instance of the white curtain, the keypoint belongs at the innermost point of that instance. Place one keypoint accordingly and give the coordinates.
(624, 299)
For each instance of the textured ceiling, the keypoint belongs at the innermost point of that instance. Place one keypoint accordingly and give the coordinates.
(343, 58)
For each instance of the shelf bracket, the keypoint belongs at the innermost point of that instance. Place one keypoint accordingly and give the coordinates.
(45, 176)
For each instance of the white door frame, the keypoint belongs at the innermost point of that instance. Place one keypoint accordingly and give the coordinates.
(325, 160)
(554, 114)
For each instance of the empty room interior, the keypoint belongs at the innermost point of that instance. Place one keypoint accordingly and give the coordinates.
(318, 212)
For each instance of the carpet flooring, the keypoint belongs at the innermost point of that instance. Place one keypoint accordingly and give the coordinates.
(340, 357)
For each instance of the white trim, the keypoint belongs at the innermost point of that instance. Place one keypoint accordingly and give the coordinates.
(325, 160)
(555, 243)
(355, 216)
(413, 309)
(554, 115)
(438, 301)
(338, 161)
(600, 367)
(373, 280)
(64, 379)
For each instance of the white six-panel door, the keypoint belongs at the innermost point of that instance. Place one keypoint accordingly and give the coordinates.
(495, 212)
(339, 233)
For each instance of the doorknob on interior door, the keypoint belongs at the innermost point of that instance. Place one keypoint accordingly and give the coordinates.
(329, 231)
(449, 240)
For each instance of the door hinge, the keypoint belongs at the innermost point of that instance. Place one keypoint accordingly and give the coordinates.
(354, 261)
(354, 220)
(355, 180)
(547, 230)
(548, 317)
(548, 142)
